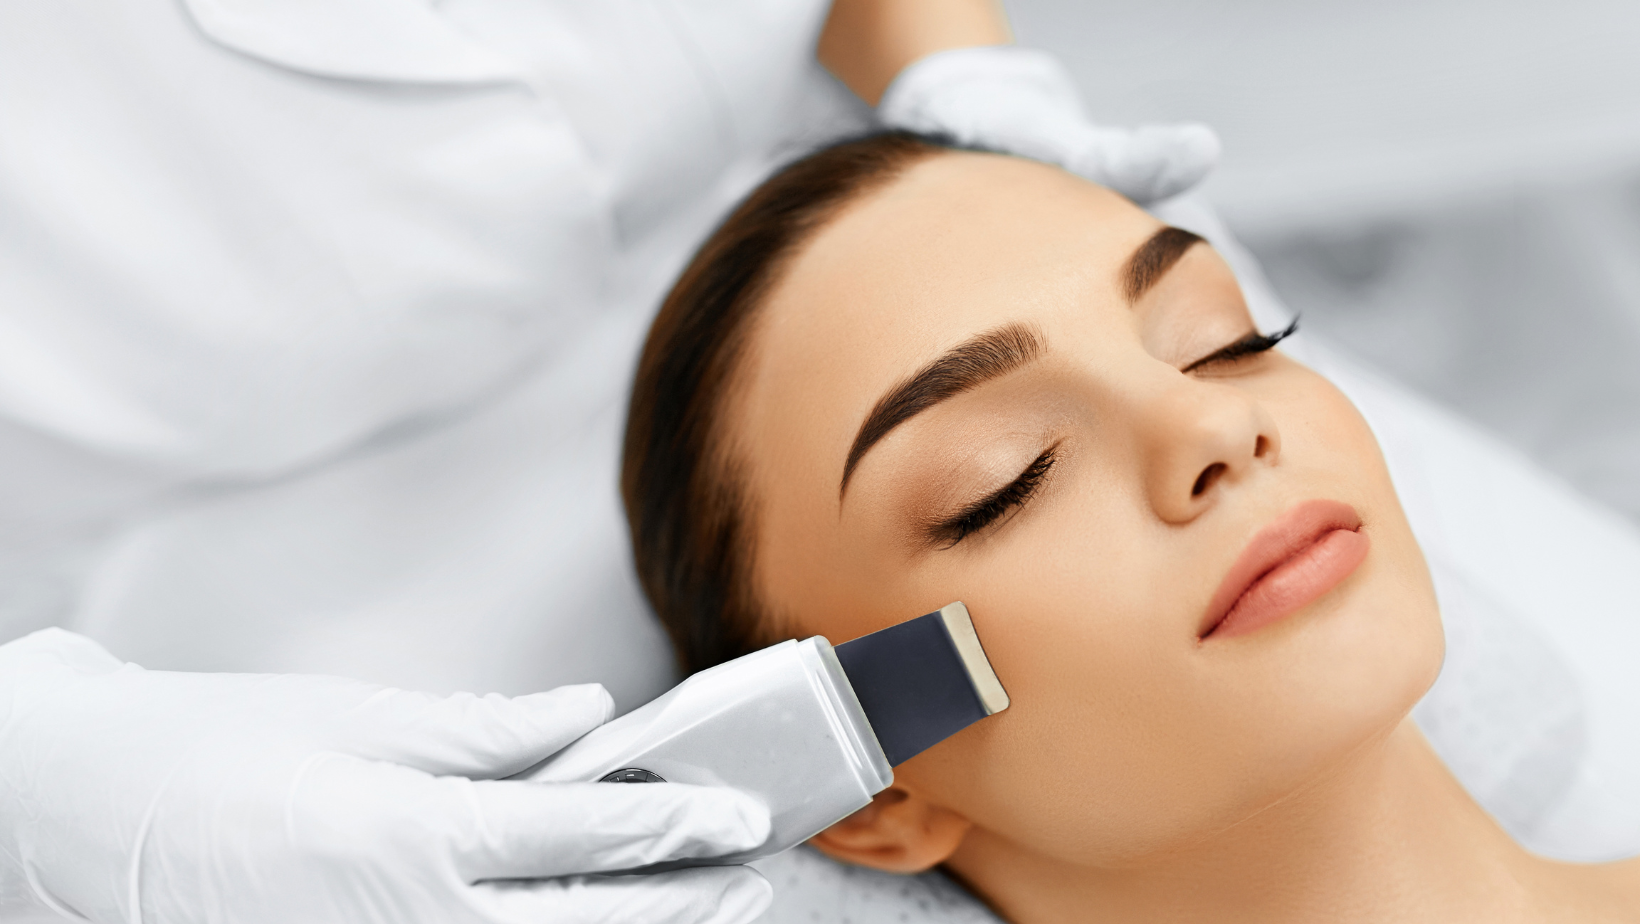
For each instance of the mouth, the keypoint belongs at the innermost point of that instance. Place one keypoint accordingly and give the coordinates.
(1294, 561)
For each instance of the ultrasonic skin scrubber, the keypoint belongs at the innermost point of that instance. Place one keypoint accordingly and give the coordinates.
(810, 729)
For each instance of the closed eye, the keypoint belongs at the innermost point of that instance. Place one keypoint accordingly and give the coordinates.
(988, 510)
(1249, 345)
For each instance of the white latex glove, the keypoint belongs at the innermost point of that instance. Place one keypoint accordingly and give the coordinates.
(129, 795)
(1022, 101)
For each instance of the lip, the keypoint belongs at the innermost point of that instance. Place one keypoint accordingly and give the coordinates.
(1294, 561)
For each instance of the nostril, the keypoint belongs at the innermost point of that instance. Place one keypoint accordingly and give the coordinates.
(1205, 480)
(1261, 447)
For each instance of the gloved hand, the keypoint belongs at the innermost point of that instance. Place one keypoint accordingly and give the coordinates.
(1022, 101)
(129, 795)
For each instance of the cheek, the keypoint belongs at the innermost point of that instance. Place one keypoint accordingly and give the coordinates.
(1332, 445)
(1385, 644)
(1089, 621)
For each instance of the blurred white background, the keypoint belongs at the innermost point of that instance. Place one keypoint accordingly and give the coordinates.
(1451, 189)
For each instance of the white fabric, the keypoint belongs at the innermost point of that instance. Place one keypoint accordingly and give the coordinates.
(261, 798)
(810, 888)
(319, 318)
(317, 324)
(1023, 101)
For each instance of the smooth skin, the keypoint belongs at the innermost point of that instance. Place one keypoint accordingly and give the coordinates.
(1141, 774)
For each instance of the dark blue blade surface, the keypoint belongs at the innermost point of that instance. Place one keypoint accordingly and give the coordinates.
(912, 684)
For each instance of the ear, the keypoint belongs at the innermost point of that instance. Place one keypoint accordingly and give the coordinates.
(899, 832)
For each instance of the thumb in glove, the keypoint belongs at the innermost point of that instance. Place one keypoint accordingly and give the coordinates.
(1022, 101)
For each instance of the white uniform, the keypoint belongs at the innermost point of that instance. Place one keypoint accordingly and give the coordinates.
(317, 318)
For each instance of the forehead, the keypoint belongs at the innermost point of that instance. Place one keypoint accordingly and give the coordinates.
(958, 244)
(959, 230)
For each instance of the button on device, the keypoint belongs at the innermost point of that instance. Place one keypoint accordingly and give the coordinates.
(632, 775)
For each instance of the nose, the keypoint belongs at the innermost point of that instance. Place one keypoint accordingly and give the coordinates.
(1200, 439)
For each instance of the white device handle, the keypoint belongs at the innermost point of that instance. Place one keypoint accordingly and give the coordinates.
(782, 724)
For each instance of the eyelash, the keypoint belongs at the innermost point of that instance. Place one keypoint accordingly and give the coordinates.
(982, 513)
(1250, 345)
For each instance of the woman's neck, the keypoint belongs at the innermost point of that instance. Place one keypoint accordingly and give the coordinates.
(1392, 837)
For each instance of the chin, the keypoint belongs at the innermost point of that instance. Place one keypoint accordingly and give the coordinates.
(1294, 710)
(1352, 670)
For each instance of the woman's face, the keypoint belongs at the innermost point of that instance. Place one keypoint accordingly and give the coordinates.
(1086, 497)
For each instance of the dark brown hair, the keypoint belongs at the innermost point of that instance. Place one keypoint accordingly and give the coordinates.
(686, 500)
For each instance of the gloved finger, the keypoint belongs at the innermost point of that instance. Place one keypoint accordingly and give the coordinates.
(474, 736)
(1149, 163)
(347, 809)
(531, 830)
(712, 895)
(57, 650)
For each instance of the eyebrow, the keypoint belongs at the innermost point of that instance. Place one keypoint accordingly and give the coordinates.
(988, 356)
(1153, 259)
